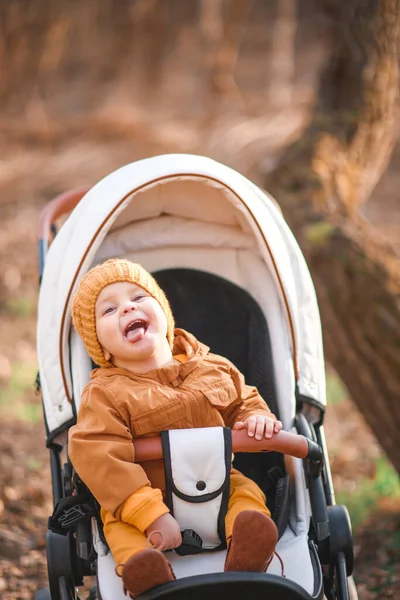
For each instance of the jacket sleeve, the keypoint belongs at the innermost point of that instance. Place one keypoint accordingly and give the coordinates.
(248, 401)
(102, 452)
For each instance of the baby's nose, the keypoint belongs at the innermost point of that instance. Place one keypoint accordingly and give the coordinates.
(129, 307)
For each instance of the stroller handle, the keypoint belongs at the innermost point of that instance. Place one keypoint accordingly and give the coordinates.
(60, 205)
(285, 442)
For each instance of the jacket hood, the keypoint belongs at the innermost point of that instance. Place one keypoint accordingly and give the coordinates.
(184, 343)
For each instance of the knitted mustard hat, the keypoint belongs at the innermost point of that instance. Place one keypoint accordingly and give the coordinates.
(84, 301)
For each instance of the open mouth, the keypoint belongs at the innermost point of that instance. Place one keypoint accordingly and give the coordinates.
(135, 330)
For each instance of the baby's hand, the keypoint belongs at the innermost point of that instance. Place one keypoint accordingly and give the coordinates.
(164, 533)
(259, 425)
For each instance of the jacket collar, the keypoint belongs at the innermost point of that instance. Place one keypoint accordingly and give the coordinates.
(184, 343)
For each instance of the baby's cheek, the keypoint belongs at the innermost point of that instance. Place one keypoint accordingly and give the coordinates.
(105, 332)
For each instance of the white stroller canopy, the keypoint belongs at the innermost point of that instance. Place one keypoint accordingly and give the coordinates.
(181, 211)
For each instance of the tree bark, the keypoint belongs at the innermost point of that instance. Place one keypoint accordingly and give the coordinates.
(321, 183)
(283, 54)
(221, 36)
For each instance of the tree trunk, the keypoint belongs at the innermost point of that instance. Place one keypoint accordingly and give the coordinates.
(151, 19)
(221, 38)
(283, 54)
(321, 183)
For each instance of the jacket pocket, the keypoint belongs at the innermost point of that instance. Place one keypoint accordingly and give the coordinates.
(167, 416)
(221, 394)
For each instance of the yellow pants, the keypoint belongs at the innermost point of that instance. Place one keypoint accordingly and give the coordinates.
(125, 540)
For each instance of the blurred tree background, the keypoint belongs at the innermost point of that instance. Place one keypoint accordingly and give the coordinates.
(299, 95)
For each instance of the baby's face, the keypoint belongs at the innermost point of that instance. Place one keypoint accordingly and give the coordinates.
(131, 327)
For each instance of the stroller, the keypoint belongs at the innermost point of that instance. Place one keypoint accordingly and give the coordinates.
(200, 228)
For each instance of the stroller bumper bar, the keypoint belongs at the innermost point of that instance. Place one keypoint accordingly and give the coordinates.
(285, 442)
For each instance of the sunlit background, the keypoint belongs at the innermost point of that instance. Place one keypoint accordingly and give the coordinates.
(86, 87)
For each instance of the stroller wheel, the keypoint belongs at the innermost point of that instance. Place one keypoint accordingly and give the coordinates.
(341, 539)
(60, 567)
(341, 579)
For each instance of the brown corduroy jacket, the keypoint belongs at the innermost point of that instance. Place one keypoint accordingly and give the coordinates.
(117, 406)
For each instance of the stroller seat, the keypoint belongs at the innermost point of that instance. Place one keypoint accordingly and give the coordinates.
(289, 547)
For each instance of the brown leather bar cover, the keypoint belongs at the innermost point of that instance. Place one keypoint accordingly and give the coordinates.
(284, 442)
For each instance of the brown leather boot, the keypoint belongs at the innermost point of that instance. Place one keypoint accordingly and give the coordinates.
(253, 541)
(145, 570)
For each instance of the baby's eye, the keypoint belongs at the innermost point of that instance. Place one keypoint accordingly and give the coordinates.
(138, 297)
(108, 310)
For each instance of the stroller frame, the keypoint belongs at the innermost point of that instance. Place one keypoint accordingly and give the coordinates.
(71, 558)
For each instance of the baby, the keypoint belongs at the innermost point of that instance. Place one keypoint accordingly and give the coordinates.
(152, 377)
